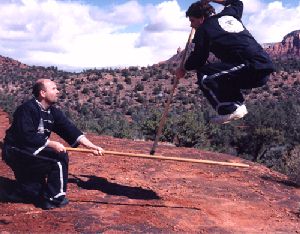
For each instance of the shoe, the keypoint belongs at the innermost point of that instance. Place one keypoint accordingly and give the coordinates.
(239, 113)
(49, 205)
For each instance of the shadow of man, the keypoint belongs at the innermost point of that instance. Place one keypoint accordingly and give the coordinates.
(7, 187)
(101, 184)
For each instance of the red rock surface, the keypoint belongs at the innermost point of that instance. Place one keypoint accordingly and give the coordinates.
(113, 194)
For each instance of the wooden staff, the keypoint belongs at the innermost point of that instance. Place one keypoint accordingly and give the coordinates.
(166, 110)
(161, 157)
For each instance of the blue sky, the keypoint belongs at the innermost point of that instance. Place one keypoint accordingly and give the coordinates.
(80, 34)
(183, 3)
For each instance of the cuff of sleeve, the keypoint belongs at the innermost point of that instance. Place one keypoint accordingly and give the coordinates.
(75, 144)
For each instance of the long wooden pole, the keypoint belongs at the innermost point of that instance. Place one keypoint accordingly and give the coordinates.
(166, 110)
(161, 157)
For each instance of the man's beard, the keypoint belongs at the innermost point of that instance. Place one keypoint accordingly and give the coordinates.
(52, 102)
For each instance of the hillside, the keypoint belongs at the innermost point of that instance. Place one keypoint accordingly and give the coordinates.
(112, 194)
(127, 90)
(106, 89)
(128, 102)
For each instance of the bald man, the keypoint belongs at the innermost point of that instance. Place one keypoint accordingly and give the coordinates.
(40, 165)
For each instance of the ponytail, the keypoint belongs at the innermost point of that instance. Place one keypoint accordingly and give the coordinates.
(200, 9)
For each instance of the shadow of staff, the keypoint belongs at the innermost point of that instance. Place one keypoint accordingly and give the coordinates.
(288, 183)
(101, 184)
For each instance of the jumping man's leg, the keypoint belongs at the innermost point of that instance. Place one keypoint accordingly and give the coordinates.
(219, 87)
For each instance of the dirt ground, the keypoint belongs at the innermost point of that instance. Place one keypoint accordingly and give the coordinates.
(117, 194)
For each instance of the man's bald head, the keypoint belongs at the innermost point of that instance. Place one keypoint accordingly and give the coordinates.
(39, 85)
(45, 91)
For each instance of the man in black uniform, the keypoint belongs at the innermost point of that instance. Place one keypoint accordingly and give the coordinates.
(244, 64)
(40, 165)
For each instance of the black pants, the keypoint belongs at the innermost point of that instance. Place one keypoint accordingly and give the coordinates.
(45, 174)
(221, 84)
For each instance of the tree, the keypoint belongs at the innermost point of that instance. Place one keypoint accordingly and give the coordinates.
(139, 87)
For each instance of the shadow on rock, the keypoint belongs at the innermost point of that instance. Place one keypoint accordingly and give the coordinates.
(9, 193)
(289, 183)
(6, 187)
(101, 184)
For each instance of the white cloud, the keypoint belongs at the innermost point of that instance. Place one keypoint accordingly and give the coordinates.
(128, 13)
(98, 51)
(166, 15)
(273, 22)
(166, 30)
(70, 34)
(252, 6)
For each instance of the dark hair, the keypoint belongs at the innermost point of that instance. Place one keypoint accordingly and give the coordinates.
(37, 87)
(199, 9)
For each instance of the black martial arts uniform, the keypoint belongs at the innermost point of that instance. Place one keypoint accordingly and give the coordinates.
(244, 64)
(38, 169)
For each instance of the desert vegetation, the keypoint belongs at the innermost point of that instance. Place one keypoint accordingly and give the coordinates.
(128, 102)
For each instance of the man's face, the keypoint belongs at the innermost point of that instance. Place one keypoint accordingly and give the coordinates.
(50, 94)
(196, 22)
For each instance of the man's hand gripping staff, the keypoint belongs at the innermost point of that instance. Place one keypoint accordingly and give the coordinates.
(58, 147)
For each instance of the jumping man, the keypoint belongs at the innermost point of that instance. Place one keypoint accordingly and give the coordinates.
(244, 64)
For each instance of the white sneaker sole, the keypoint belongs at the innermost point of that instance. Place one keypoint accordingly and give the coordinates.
(228, 118)
(233, 118)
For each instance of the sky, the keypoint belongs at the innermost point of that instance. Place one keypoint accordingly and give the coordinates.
(80, 34)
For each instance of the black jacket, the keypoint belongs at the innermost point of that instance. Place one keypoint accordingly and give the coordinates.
(226, 37)
(32, 126)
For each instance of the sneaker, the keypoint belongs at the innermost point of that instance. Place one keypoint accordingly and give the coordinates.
(49, 205)
(239, 113)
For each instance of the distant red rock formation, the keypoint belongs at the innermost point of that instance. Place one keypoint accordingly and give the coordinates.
(288, 47)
